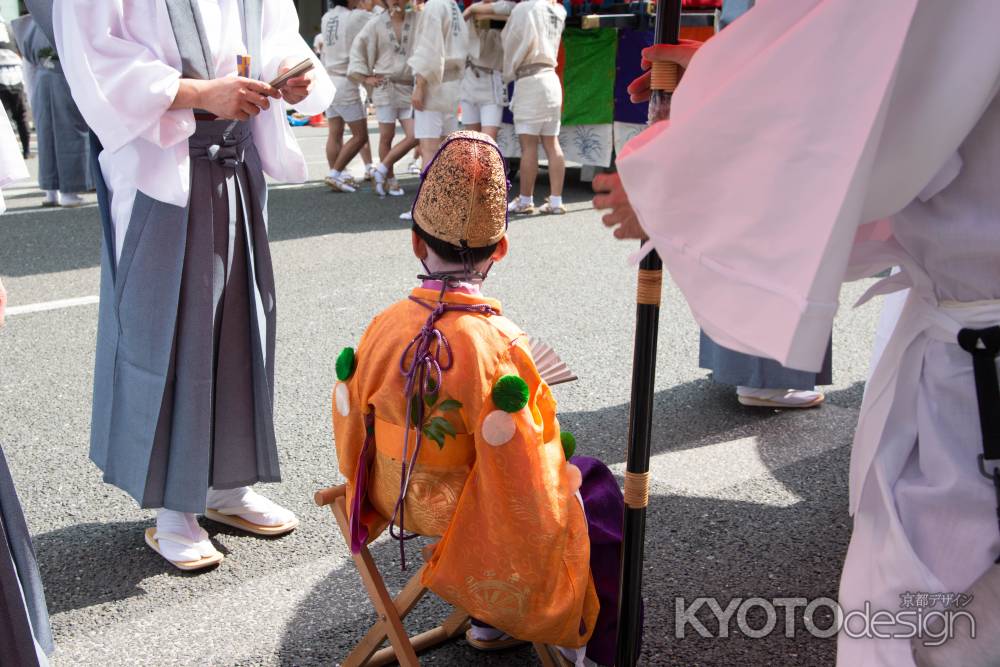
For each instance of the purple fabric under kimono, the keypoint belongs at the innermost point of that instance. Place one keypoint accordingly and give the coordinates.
(604, 506)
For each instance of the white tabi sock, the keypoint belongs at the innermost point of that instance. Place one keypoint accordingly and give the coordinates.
(334, 174)
(249, 505)
(185, 526)
(527, 200)
(382, 169)
(555, 201)
(487, 634)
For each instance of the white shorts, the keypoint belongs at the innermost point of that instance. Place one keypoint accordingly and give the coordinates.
(538, 128)
(489, 115)
(433, 124)
(388, 114)
(351, 112)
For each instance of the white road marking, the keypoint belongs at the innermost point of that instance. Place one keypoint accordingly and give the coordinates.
(52, 305)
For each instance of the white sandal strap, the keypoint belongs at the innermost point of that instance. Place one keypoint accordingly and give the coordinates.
(174, 537)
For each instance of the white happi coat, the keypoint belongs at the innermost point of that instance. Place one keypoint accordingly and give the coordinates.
(755, 195)
(376, 51)
(129, 74)
(440, 47)
(482, 82)
(531, 42)
(340, 27)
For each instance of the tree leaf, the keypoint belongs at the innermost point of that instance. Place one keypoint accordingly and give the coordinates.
(450, 405)
(433, 431)
(415, 411)
(444, 425)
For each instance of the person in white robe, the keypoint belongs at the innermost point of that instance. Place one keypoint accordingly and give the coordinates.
(378, 59)
(341, 25)
(440, 49)
(814, 149)
(484, 94)
(530, 56)
(184, 373)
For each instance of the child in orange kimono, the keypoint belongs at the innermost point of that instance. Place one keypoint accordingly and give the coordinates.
(483, 464)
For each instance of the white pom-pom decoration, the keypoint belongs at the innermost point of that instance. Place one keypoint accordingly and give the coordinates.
(342, 396)
(499, 428)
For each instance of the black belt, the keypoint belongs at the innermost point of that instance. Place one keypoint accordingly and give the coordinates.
(984, 346)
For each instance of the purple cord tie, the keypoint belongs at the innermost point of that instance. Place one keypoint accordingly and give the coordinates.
(425, 374)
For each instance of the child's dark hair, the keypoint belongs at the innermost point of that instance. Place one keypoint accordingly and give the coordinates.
(338, 3)
(451, 253)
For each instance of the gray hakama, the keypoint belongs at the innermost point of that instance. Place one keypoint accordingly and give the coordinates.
(736, 368)
(25, 635)
(184, 377)
(62, 134)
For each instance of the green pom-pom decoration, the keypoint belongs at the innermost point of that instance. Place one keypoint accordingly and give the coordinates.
(569, 444)
(510, 393)
(345, 364)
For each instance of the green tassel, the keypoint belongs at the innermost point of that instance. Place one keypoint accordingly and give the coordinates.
(510, 393)
(568, 443)
(346, 363)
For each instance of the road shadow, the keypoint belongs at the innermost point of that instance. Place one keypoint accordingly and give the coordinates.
(76, 569)
(687, 415)
(336, 614)
(67, 240)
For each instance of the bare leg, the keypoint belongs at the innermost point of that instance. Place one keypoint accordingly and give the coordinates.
(366, 150)
(475, 127)
(407, 125)
(428, 149)
(334, 140)
(386, 133)
(491, 131)
(529, 163)
(397, 152)
(557, 165)
(358, 140)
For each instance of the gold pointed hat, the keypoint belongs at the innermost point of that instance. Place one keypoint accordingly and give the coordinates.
(462, 198)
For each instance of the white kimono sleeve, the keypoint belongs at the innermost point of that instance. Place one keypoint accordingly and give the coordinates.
(123, 90)
(791, 128)
(282, 41)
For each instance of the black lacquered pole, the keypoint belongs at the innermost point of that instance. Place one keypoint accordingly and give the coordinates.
(664, 80)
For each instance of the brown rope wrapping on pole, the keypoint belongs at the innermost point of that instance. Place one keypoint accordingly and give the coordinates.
(665, 77)
(650, 287)
(636, 489)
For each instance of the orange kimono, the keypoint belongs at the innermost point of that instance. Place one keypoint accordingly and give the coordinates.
(514, 549)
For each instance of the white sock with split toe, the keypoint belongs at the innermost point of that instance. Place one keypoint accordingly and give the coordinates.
(249, 505)
(180, 537)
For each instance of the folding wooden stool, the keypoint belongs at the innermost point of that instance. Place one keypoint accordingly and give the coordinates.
(391, 611)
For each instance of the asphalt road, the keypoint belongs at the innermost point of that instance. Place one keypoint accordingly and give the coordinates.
(747, 502)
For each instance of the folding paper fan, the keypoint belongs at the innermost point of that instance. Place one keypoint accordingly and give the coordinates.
(550, 366)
